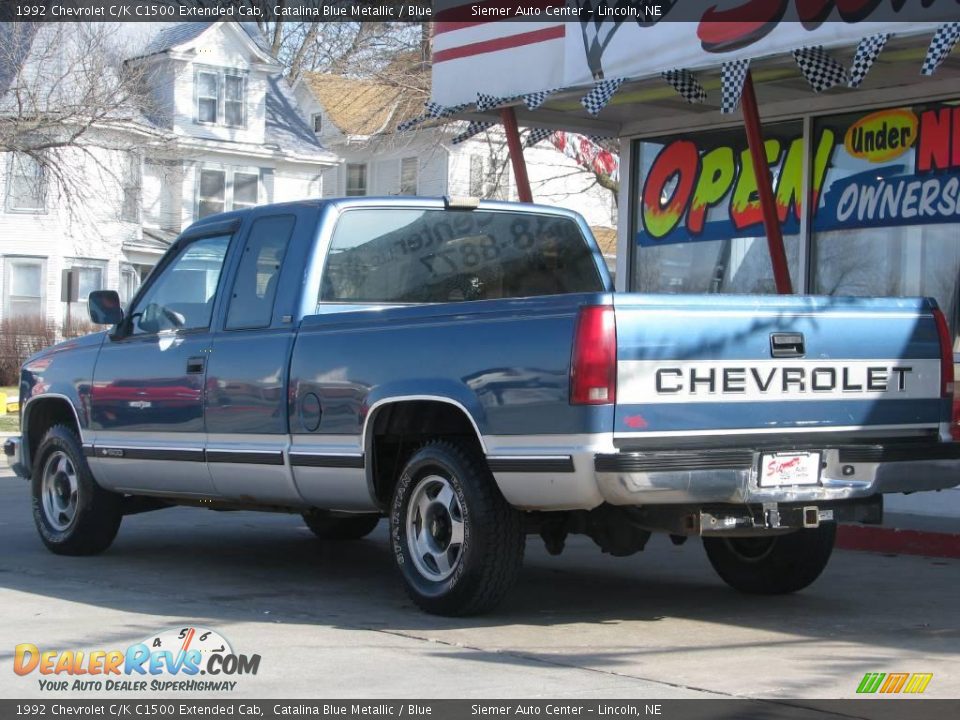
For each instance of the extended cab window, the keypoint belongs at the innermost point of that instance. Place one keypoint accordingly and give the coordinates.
(251, 303)
(181, 298)
(425, 256)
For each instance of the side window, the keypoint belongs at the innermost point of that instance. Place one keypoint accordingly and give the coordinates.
(427, 256)
(255, 287)
(181, 298)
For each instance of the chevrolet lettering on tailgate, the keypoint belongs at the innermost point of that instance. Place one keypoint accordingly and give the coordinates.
(463, 373)
(777, 381)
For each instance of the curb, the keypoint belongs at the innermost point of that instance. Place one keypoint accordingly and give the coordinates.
(900, 542)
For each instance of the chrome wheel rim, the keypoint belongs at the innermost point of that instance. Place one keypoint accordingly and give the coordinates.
(59, 491)
(435, 528)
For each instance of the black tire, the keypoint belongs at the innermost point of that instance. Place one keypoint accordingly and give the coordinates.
(90, 515)
(328, 526)
(772, 565)
(484, 566)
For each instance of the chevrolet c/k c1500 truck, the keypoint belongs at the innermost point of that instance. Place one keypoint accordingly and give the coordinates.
(466, 371)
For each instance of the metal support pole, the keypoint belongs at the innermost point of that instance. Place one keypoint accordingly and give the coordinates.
(509, 119)
(771, 223)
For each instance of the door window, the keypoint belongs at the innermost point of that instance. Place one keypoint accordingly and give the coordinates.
(182, 296)
(255, 287)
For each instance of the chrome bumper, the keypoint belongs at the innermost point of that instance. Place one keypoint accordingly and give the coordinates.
(730, 476)
(11, 449)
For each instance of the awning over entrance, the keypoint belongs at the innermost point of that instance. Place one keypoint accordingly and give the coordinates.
(616, 76)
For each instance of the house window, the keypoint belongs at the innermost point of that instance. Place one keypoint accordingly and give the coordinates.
(408, 175)
(26, 185)
(220, 190)
(208, 96)
(317, 121)
(212, 193)
(476, 176)
(245, 187)
(221, 97)
(356, 179)
(88, 277)
(132, 183)
(233, 100)
(24, 280)
(129, 283)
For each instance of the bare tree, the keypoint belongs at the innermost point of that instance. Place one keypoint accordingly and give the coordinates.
(69, 103)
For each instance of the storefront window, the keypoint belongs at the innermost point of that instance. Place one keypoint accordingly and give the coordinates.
(697, 221)
(887, 221)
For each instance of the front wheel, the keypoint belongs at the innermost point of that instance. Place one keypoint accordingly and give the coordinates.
(457, 542)
(772, 565)
(73, 514)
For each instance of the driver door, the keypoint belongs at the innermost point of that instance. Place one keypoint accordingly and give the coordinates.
(148, 387)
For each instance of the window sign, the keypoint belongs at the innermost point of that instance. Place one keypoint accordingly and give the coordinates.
(888, 221)
(702, 187)
(698, 219)
(893, 167)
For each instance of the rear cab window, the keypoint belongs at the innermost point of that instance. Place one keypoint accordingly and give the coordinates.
(411, 255)
(257, 279)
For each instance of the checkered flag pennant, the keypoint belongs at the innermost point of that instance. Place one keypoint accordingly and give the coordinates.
(685, 83)
(433, 110)
(411, 123)
(436, 111)
(536, 135)
(821, 70)
(472, 129)
(733, 74)
(600, 138)
(488, 102)
(536, 99)
(597, 99)
(867, 52)
(944, 40)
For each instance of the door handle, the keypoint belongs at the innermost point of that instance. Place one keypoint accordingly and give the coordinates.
(195, 365)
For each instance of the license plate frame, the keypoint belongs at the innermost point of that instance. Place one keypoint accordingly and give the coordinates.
(789, 469)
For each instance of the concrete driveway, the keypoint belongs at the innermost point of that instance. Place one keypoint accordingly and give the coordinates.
(331, 620)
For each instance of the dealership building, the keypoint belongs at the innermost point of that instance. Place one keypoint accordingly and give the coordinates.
(860, 125)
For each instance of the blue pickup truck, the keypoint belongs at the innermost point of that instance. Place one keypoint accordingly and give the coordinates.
(466, 371)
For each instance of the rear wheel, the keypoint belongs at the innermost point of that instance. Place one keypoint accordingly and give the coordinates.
(772, 565)
(73, 514)
(457, 542)
(330, 526)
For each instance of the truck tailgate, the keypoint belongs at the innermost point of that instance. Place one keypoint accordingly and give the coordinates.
(701, 368)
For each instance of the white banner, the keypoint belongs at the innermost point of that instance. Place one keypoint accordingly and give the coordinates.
(509, 58)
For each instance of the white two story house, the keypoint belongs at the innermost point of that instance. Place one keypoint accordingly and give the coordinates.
(357, 119)
(222, 131)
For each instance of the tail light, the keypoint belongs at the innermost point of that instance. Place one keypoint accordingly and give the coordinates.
(946, 372)
(593, 367)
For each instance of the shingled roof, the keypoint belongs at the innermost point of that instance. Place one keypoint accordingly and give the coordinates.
(363, 107)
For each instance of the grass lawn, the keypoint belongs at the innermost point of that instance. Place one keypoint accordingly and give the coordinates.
(10, 423)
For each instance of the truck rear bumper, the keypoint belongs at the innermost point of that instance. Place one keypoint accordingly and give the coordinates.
(731, 476)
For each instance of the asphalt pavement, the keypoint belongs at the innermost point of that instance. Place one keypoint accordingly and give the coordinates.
(332, 620)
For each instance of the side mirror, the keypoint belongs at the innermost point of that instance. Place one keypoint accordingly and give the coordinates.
(104, 307)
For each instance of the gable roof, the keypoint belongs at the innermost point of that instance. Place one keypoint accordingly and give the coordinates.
(363, 107)
(174, 35)
(284, 123)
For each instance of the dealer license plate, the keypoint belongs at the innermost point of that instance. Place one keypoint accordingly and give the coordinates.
(780, 469)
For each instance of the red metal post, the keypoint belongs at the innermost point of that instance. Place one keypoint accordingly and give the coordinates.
(509, 119)
(761, 170)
